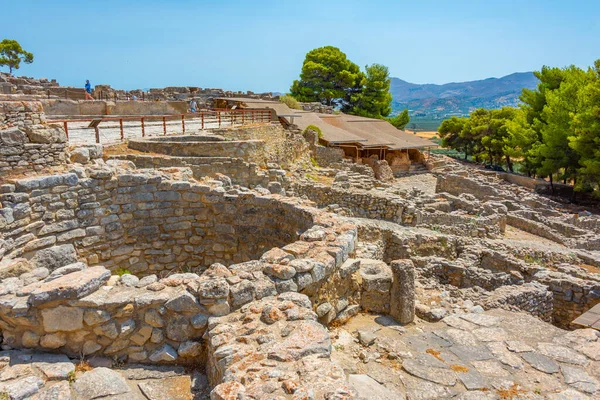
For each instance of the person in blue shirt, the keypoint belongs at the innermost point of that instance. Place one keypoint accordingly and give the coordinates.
(88, 90)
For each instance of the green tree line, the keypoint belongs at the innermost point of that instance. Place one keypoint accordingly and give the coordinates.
(553, 134)
(330, 78)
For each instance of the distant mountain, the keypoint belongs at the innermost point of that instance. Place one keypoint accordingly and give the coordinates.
(440, 101)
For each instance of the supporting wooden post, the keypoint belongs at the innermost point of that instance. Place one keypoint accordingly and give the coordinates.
(219, 114)
(243, 117)
(66, 129)
(231, 114)
(121, 127)
(97, 134)
(202, 121)
(164, 126)
(143, 130)
(183, 122)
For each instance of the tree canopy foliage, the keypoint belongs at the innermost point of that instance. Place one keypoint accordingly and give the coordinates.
(401, 120)
(555, 132)
(12, 54)
(329, 77)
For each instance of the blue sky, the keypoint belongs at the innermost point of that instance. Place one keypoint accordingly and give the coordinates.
(260, 45)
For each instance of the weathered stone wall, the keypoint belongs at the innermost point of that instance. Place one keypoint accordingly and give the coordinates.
(50, 300)
(325, 156)
(241, 172)
(285, 147)
(141, 223)
(65, 107)
(26, 142)
(188, 146)
(533, 298)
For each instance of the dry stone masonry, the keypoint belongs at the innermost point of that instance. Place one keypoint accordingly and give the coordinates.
(226, 265)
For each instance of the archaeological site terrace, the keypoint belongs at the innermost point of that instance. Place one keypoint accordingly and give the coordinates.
(147, 252)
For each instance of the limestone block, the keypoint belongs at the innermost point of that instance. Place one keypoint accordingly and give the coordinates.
(62, 319)
(402, 299)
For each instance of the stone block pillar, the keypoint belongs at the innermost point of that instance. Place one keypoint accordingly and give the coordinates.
(402, 299)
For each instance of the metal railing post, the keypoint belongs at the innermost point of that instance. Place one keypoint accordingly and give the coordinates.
(66, 128)
(97, 134)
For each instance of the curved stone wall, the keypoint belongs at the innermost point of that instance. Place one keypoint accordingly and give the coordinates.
(143, 223)
(51, 300)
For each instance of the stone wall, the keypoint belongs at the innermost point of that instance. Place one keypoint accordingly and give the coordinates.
(27, 143)
(285, 147)
(533, 298)
(52, 300)
(190, 146)
(140, 223)
(239, 171)
(64, 107)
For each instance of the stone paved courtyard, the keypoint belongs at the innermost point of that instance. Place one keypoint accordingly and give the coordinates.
(490, 355)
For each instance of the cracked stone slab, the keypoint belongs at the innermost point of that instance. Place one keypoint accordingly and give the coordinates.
(175, 388)
(579, 379)
(562, 354)
(472, 353)
(460, 337)
(490, 368)
(505, 356)
(459, 323)
(417, 389)
(591, 350)
(517, 346)
(71, 286)
(442, 376)
(540, 362)
(490, 334)
(569, 394)
(472, 380)
(368, 388)
(482, 319)
(100, 382)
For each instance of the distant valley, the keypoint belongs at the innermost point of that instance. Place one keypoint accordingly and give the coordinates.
(436, 102)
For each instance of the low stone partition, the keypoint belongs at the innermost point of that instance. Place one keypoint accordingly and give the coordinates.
(533, 298)
(27, 143)
(202, 146)
(239, 171)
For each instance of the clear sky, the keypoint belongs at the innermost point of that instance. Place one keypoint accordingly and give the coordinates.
(259, 45)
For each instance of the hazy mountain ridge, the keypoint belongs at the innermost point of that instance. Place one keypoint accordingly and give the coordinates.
(460, 97)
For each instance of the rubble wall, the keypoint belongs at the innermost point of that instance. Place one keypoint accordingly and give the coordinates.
(241, 172)
(27, 143)
(66, 306)
(142, 224)
(249, 150)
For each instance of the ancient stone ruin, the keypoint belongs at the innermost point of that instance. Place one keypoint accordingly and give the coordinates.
(224, 264)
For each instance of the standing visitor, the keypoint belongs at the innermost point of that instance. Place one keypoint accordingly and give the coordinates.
(193, 105)
(88, 90)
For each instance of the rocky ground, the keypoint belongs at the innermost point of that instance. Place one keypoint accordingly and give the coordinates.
(472, 355)
(45, 376)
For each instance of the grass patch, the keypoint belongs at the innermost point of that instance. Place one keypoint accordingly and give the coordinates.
(290, 102)
(122, 271)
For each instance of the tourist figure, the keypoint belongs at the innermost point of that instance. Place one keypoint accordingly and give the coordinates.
(88, 90)
(193, 105)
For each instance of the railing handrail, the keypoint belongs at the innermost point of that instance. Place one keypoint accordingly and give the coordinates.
(231, 117)
(198, 114)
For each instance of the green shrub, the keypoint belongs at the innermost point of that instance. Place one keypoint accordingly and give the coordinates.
(122, 271)
(290, 102)
(316, 129)
(314, 162)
